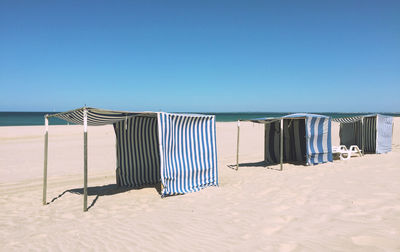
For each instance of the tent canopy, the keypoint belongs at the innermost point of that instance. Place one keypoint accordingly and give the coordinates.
(291, 116)
(352, 119)
(100, 117)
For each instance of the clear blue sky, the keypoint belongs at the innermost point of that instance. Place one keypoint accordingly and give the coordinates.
(200, 55)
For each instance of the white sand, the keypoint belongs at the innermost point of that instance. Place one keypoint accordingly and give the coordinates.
(351, 205)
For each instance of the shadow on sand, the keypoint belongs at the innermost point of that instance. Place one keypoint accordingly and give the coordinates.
(255, 164)
(266, 165)
(104, 190)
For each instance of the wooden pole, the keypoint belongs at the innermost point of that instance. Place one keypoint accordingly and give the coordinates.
(117, 170)
(362, 135)
(237, 145)
(85, 161)
(281, 147)
(46, 141)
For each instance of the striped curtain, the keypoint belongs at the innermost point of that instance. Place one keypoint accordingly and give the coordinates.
(271, 142)
(138, 156)
(385, 131)
(319, 143)
(294, 147)
(189, 152)
(294, 140)
(350, 134)
(369, 134)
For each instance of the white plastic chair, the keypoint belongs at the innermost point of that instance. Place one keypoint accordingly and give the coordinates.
(345, 153)
(355, 150)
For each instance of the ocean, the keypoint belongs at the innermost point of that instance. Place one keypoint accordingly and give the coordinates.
(37, 118)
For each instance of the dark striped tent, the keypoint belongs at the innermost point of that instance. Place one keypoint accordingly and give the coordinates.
(176, 150)
(371, 133)
(298, 138)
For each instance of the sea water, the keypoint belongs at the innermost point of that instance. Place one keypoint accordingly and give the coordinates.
(37, 118)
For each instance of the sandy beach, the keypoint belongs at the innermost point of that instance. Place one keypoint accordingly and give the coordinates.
(351, 205)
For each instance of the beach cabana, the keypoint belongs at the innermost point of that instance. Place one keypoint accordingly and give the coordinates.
(371, 133)
(298, 138)
(176, 150)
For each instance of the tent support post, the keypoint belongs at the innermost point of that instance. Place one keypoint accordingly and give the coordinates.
(85, 160)
(362, 135)
(237, 146)
(46, 145)
(281, 147)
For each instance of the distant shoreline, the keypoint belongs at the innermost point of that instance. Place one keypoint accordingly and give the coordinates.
(37, 118)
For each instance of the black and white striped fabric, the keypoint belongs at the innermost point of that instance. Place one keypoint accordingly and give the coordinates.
(98, 117)
(369, 132)
(294, 144)
(347, 119)
(138, 155)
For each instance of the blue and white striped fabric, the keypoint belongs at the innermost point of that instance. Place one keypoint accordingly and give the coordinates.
(188, 152)
(384, 134)
(319, 143)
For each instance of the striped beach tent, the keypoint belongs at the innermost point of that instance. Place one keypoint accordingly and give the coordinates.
(298, 138)
(371, 133)
(177, 150)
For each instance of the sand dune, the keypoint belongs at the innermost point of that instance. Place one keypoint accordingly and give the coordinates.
(351, 205)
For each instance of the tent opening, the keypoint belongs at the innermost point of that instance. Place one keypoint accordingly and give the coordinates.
(294, 142)
(138, 162)
(361, 133)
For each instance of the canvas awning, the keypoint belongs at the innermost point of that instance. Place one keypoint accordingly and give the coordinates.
(351, 119)
(98, 117)
(276, 119)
